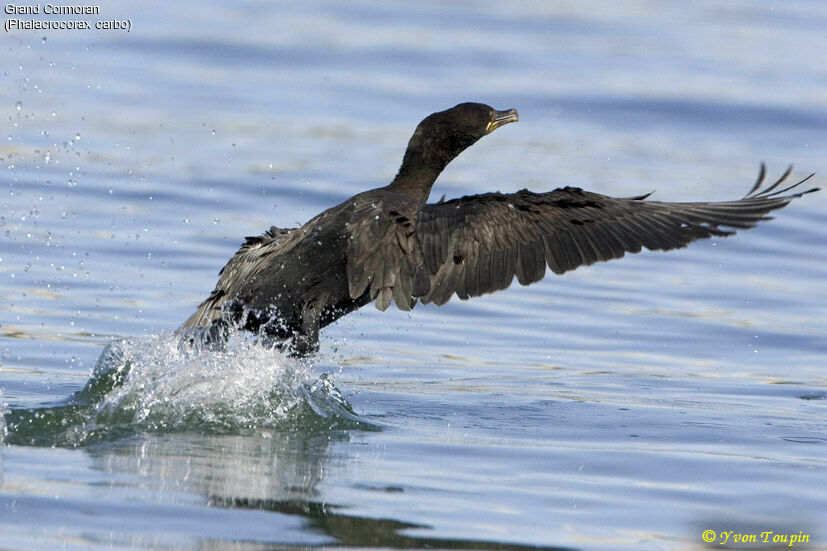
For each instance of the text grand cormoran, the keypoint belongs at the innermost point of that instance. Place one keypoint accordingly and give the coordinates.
(51, 9)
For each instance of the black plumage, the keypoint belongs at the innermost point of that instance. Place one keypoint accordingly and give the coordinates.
(387, 245)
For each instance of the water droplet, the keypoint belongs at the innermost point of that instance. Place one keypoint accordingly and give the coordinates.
(43, 40)
(18, 105)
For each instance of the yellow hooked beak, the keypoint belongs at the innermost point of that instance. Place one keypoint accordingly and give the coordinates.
(501, 118)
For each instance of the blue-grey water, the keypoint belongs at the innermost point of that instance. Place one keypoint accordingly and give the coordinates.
(628, 405)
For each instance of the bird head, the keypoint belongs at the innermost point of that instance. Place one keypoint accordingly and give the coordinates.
(440, 137)
(455, 129)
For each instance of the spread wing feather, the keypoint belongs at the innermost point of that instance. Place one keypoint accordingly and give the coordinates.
(232, 277)
(383, 255)
(477, 244)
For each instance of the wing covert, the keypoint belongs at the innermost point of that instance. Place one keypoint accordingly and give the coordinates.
(383, 254)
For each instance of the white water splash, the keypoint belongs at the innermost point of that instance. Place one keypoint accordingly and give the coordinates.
(168, 384)
(165, 382)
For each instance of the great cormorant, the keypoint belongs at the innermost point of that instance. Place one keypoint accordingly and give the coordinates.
(388, 245)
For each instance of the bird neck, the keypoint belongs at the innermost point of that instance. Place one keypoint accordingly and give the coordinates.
(421, 165)
(414, 181)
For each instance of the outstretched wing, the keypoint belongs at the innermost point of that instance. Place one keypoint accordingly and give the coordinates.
(383, 255)
(477, 244)
(236, 273)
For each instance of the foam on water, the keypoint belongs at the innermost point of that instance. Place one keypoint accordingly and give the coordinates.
(161, 383)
